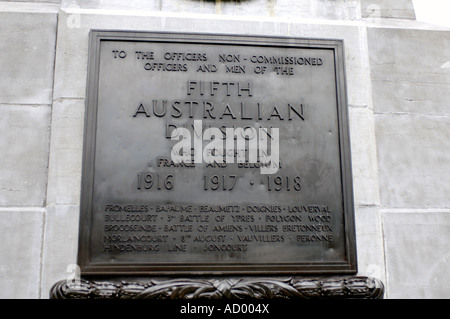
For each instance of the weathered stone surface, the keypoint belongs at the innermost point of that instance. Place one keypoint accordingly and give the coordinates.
(311, 9)
(71, 58)
(411, 94)
(417, 253)
(23, 164)
(66, 152)
(369, 242)
(61, 240)
(27, 44)
(321, 9)
(398, 9)
(413, 156)
(20, 262)
(35, 1)
(364, 156)
(410, 70)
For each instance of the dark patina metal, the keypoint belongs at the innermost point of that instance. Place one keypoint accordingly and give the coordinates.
(231, 288)
(142, 214)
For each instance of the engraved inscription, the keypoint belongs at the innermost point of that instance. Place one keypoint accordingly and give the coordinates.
(207, 156)
(211, 224)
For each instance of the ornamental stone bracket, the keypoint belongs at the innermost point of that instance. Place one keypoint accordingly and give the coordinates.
(355, 287)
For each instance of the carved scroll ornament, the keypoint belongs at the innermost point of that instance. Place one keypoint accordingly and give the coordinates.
(253, 288)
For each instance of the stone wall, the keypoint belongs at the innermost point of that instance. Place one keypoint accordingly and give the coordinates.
(398, 78)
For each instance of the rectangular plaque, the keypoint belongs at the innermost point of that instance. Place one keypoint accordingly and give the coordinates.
(215, 154)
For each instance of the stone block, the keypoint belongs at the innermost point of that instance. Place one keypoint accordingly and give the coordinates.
(147, 5)
(23, 164)
(193, 7)
(71, 58)
(27, 57)
(311, 9)
(413, 156)
(364, 156)
(20, 262)
(65, 161)
(321, 9)
(59, 254)
(35, 1)
(355, 46)
(410, 70)
(369, 242)
(398, 9)
(417, 253)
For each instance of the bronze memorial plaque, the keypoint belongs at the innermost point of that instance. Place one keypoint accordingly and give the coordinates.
(215, 154)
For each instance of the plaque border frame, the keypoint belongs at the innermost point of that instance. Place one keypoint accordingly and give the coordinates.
(88, 268)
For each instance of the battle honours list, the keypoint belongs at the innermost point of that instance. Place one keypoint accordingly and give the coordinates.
(213, 154)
